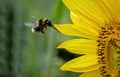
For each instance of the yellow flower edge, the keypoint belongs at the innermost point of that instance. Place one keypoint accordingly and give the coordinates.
(99, 22)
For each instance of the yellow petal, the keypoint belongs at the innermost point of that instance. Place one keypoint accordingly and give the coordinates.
(112, 6)
(75, 30)
(78, 21)
(81, 64)
(94, 73)
(88, 11)
(80, 46)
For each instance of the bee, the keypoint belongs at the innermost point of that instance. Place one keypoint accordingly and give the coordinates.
(40, 25)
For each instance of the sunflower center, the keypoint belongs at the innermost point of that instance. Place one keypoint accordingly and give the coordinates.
(109, 49)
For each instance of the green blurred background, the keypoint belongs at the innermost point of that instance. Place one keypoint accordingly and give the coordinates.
(26, 54)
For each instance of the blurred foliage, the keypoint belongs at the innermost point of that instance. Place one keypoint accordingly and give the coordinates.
(12, 39)
(26, 54)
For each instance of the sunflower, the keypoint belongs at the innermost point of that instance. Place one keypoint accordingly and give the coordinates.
(98, 23)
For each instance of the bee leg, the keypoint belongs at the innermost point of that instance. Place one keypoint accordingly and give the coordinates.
(45, 26)
(42, 31)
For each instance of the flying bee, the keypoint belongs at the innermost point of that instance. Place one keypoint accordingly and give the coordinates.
(40, 25)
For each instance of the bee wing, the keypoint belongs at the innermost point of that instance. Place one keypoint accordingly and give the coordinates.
(34, 17)
(32, 25)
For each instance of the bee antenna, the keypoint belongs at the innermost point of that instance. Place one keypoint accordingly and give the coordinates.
(55, 28)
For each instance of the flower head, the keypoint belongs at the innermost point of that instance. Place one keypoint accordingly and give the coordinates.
(98, 22)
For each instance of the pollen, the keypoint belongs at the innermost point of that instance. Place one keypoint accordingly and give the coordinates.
(109, 49)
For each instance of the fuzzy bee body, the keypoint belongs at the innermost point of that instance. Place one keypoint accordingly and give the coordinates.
(40, 25)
